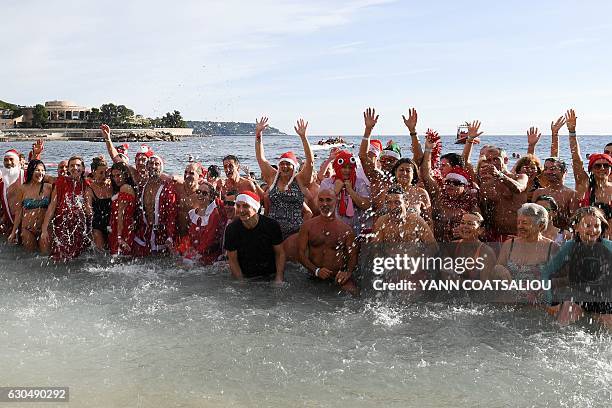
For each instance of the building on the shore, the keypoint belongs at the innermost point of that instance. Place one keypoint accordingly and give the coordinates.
(64, 114)
(7, 121)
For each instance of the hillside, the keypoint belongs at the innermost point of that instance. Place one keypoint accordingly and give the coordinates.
(226, 128)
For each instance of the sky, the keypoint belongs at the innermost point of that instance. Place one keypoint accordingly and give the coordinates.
(510, 65)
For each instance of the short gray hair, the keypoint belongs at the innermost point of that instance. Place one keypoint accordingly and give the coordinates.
(536, 212)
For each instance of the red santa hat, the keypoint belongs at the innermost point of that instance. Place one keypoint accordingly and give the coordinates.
(291, 158)
(459, 174)
(250, 198)
(158, 157)
(376, 147)
(146, 150)
(122, 148)
(12, 153)
(599, 156)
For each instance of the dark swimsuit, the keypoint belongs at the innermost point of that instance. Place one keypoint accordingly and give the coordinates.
(101, 208)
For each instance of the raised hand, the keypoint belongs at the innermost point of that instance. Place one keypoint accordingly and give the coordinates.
(431, 138)
(300, 128)
(570, 119)
(37, 148)
(473, 130)
(556, 126)
(370, 118)
(533, 136)
(411, 122)
(260, 125)
(333, 152)
(105, 130)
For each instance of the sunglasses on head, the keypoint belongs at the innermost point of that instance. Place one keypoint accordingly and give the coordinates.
(229, 203)
(455, 183)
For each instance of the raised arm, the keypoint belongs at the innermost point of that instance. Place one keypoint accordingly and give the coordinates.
(580, 175)
(305, 175)
(112, 151)
(472, 139)
(325, 165)
(533, 137)
(267, 171)
(411, 122)
(430, 184)
(370, 118)
(37, 149)
(554, 129)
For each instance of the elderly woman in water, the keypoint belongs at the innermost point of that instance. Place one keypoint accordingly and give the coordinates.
(522, 258)
(584, 262)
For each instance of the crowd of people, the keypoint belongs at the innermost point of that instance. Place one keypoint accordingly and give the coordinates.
(525, 221)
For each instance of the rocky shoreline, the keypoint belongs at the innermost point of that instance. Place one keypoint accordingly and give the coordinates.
(94, 135)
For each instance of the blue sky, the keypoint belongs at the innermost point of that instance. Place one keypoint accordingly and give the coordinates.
(510, 64)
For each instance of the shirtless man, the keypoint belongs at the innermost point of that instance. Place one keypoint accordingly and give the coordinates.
(500, 194)
(399, 225)
(231, 166)
(187, 198)
(554, 172)
(326, 245)
(12, 179)
(157, 226)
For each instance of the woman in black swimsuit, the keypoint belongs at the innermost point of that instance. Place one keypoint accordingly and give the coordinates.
(98, 199)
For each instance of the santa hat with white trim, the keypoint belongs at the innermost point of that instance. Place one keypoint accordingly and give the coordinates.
(288, 157)
(146, 150)
(375, 147)
(249, 197)
(12, 153)
(459, 174)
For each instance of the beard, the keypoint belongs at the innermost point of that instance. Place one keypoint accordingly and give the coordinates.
(10, 175)
(326, 211)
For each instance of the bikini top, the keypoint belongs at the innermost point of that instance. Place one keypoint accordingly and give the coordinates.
(33, 203)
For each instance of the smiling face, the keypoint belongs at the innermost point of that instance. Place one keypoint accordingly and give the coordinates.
(453, 188)
(245, 211)
(229, 206)
(553, 171)
(395, 205)
(601, 169)
(76, 168)
(154, 167)
(62, 168)
(327, 203)
(404, 173)
(141, 163)
(469, 226)
(230, 167)
(526, 226)
(39, 173)
(192, 174)
(589, 228)
(387, 163)
(117, 177)
(99, 174)
(530, 169)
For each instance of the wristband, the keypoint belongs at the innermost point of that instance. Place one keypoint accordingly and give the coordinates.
(366, 138)
(427, 149)
(413, 133)
(572, 134)
(317, 272)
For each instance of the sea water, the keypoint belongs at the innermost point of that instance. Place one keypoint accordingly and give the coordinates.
(149, 333)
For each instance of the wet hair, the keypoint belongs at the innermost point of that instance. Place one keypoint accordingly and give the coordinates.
(97, 162)
(536, 212)
(395, 189)
(477, 215)
(605, 208)
(558, 161)
(583, 212)
(454, 159)
(79, 158)
(231, 157)
(415, 174)
(608, 145)
(125, 173)
(550, 200)
(527, 160)
(30, 170)
(213, 171)
(211, 189)
(231, 192)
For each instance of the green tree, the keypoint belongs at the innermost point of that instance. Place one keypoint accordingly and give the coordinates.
(94, 117)
(39, 116)
(172, 120)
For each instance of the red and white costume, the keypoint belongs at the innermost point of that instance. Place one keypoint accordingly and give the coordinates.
(127, 234)
(9, 177)
(203, 241)
(69, 224)
(152, 235)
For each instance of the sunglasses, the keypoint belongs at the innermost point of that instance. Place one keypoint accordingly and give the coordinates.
(455, 183)
(601, 166)
(202, 192)
(229, 203)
